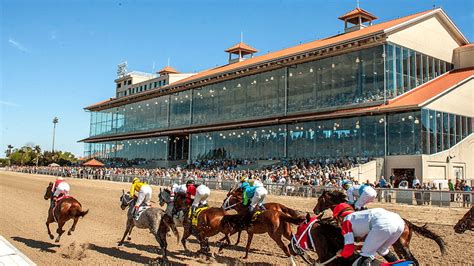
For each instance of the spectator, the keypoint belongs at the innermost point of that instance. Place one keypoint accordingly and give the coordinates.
(451, 188)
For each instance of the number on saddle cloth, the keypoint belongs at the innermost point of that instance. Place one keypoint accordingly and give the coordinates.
(194, 218)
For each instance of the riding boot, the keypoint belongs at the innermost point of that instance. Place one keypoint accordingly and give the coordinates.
(390, 257)
(193, 210)
(364, 261)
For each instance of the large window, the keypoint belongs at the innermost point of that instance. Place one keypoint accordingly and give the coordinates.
(351, 78)
(407, 69)
(404, 133)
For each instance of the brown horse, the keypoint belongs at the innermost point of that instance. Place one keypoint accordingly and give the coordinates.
(275, 220)
(66, 208)
(329, 200)
(466, 222)
(208, 224)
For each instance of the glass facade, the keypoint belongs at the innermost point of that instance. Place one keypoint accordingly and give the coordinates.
(403, 133)
(441, 131)
(134, 151)
(345, 80)
(406, 69)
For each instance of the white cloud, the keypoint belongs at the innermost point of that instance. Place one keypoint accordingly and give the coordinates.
(5, 103)
(18, 45)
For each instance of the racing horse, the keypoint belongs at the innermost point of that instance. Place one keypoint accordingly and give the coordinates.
(466, 222)
(234, 200)
(61, 211)
(329, 200)
(152, 218)
(275, 220)
(209, 223)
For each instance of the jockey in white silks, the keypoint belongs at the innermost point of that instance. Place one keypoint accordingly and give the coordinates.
(359, 195)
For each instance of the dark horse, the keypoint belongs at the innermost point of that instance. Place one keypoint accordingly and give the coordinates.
(66, 208)
(275, 220)
(329, 200)
(466, 222)
(208, 224)
(153, 219)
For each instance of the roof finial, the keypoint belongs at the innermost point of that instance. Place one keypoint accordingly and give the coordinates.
(358, 3)
(168, 61)
(241, 36)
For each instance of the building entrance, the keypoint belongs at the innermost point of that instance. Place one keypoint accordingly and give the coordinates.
(178, 148)
(401, 174)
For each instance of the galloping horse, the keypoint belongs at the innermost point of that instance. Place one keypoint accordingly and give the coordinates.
(164, 197)
(275, 220)
(65, 209)
(152, 218)
(466, 222)
(208, 224)
(329, 200)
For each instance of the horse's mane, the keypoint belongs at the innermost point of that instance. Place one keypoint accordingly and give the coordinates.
(337, 196)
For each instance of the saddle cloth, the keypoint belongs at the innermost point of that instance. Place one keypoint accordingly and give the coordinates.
(141, 210)
(302, 233)
(398, 263)
(198, 211)
(255, 215)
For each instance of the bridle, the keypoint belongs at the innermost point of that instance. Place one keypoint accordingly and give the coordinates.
(226, 205)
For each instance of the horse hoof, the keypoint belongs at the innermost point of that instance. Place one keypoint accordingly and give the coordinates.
(57, 240)
(129, 238)
(69, 233)
(51, 237)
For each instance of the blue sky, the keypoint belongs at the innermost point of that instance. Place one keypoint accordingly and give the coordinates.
(58, 56)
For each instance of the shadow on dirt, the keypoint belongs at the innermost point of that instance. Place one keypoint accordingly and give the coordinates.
(42, 246)
(135, 257)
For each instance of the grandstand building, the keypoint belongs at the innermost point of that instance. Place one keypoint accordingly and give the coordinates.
(399, 92)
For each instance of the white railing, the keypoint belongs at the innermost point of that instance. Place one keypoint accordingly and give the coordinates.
(443, 198)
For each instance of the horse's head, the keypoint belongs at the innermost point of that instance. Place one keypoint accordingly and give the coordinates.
(234, 197)
(180, 202)
(164, 196)
(48, 193)
(328, 200)
(125, 200)
(466, 223)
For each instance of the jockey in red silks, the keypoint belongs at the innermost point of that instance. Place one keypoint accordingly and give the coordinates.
(196, 195)
(382, 228)
(60, 188)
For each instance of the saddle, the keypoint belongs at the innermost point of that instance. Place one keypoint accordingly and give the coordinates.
(55, 204)
(194, 218)
(255, 215)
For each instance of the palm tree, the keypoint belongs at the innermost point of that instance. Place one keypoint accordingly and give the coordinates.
(55, 121)
(9, 150)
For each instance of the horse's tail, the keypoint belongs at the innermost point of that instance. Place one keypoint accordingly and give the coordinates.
(82, 213)
(422, 230)
(289, 211)
(291, 219)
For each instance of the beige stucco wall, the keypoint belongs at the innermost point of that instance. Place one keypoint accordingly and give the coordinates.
(367, 171)
(428, 36)
(462, 158)
(436, 166)
(458, 101)
(463, 57)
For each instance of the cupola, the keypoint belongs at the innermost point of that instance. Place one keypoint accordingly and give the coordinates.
(242, 50)
(357, 19)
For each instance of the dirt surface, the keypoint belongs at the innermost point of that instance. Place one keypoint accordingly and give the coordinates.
(23, 214)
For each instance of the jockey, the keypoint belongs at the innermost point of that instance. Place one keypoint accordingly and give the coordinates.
(361, 194)
(260, 192)
(144, 194)
(197, 195)
(381, 228)
(60, 188)
(249, 193)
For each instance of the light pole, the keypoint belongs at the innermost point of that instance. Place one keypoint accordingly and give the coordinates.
(55, 121)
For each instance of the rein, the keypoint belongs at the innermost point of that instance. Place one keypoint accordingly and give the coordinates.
(328, 261)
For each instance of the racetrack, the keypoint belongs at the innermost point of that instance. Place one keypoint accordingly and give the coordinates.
(24, 212)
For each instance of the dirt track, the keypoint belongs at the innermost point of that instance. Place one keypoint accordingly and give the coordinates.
(24, 211)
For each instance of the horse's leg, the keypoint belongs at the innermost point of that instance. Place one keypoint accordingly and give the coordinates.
(186, 234)
(287, 230)
(130, 233)
(221, 242)
(60, 230)
(247, 247)
(128, 229)
(238, 238)
(73, 227)
(277, 238)
(404, 252)
(48, 221)
(161, 238)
